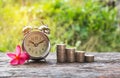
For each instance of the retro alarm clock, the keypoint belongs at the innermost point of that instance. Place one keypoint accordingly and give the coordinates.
(36, 42)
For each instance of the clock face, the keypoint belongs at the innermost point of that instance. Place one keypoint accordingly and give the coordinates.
(36, 44)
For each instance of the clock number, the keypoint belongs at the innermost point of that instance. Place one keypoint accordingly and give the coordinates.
(36, 37)
(44, 44)
(32, 39)
(29, 48)
(28, 44)
(40, 38)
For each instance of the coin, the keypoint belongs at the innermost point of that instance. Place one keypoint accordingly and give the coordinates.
(61, 46)
(61, 54)
(89, 58)
(70, 55)
(80, 56)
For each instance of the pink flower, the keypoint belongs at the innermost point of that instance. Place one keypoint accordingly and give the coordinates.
(19, 57)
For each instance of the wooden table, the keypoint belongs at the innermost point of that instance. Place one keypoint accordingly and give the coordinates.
(106, 65)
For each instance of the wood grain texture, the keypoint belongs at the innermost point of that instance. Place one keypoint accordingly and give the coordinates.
(106, 65)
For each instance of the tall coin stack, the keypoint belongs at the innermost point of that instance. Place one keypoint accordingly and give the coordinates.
(61, 54)
(70, 55)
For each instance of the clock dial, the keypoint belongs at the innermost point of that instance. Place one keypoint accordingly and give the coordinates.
(36, 44)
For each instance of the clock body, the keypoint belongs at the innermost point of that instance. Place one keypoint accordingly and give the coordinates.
(36, 44)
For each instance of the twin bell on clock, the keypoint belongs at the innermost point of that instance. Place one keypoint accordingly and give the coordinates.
(36, 42)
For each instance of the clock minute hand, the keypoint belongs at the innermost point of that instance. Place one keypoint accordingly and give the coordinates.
(40, 42)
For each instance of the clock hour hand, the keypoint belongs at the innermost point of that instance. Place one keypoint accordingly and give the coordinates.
(32, 42)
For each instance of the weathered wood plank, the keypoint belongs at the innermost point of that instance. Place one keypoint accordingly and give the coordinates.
(106, 65)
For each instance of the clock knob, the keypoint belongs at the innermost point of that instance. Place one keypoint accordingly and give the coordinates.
(26, 30)
(44, 29)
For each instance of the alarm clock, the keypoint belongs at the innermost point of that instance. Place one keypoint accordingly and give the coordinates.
(36, 42)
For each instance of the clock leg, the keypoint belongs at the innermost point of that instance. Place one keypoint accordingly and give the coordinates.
(44, 60)
(27, 61)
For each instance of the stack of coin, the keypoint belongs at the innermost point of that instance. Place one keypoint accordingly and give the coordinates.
(80, 56)
(70, 55)
(89, 58)
(61, 54)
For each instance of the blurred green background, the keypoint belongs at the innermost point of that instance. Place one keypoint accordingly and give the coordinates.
(85, 24)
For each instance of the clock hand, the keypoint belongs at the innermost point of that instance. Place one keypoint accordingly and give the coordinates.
(32, 42)
(38, 43)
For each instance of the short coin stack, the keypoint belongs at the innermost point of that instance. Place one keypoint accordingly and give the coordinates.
(69, 55)
(80, 56)
(89, 58)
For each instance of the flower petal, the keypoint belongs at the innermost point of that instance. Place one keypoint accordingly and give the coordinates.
(22, 61)
(18, 50)
(11, 55)
(25, 55)
(14, 62)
